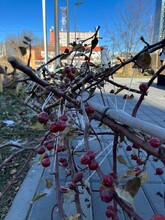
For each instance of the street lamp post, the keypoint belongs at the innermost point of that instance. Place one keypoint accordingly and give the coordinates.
(56, 29)
(45, 30)
(76, 4)
(67, 24)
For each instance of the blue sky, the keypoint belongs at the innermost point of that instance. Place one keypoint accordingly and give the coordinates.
(18, 15)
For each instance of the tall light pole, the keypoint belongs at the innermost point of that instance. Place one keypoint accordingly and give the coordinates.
(56, 28)
(75, 5)
(45, 30)
(67, 24)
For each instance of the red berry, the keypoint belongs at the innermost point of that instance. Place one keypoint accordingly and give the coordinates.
(143, 87)
(108, 180)
(155, 142)
(43, 117)
(91, 154)
(65, 163)
(61, 125)
(45, 162)
(71, 186)
(85, 159)
(53, 127)
(57, 126)
(21, 113)
(61, 160)
(41, 150)
(110, 211)
(128, 148)
(61, 148)
(93, 165)
(73, 70)
(49, 146)
(159, 171)
(67, 69)
(64, 117)
(70, 76)
(77, 177)
(89, 109)
(102, 188)
(106, 195)
(52, 75)
(158, 217)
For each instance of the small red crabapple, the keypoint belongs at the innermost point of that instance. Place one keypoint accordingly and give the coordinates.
(85, 159)
(41, 150)
(45, 162)
(43, 117)
(106, 195)
(61, 160)
(89, 109)
(49, 146)
(71, 186)
(128, 148)
(61, 125)
(143, 87)
(67, 69)
(78, 177)
(158, 217)
(159, 171)
(91, 154)
(93, 165)
(108, 180)
(64, 117)
(155, 142)
(110, 211)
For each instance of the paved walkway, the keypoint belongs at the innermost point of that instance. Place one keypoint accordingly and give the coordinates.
(147, 202)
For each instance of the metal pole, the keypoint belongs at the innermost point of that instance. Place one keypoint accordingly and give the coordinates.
(45, 30)
(75, 22)
(68, 25)
(75, 28)
(56, 29)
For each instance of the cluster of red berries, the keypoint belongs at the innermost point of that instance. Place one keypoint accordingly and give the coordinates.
(89, 159)
(42, 151)
(59, 124)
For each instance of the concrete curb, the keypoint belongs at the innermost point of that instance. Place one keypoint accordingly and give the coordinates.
(27, 191)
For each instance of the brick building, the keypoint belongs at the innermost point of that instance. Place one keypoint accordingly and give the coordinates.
(63, 37)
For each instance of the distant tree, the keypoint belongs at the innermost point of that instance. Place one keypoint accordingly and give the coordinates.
(133, 18)
(13, 42)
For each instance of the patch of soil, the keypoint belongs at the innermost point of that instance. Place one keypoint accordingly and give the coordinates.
(17, 125)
